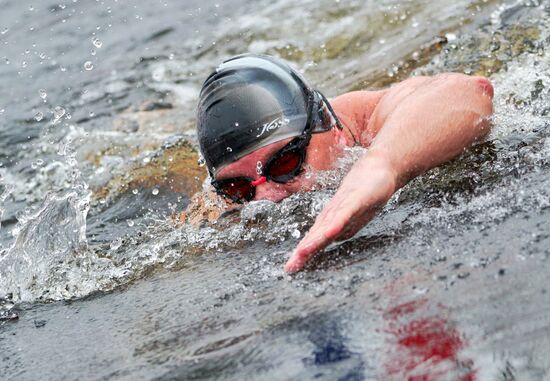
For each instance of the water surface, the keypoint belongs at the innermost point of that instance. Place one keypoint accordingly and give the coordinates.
(97, 127)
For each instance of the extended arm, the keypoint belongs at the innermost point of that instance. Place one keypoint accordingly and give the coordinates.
(419, 124)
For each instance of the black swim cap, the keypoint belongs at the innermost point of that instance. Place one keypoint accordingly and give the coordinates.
(250, 101)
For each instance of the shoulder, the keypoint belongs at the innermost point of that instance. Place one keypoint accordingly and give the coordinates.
(354, 109)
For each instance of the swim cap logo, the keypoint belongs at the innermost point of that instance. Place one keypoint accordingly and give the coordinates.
(273, 125)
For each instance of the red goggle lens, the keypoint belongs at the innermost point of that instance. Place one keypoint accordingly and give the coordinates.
(238, 189)
(286, 164)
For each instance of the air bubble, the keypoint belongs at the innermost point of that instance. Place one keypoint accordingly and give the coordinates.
(155, 191)
(88, 65)
(43, 94)
(4, 31)
(296, 233)
(229, 149)
(38, 116)
(135, 191)
(130, 222)
(201, 162)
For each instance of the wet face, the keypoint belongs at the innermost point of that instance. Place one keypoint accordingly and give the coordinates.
(322, 152)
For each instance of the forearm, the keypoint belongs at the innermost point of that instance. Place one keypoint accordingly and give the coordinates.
(429, 121)
(419, 124)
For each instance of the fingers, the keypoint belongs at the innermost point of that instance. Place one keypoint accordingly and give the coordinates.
(326, 228)
(305, 251)
(337, 221)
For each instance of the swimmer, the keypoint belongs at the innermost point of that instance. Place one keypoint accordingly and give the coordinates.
(260, 124)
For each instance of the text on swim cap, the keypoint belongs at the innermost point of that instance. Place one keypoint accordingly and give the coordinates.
(273, 125)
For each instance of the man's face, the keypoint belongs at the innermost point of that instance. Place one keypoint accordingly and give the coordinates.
(320, 155)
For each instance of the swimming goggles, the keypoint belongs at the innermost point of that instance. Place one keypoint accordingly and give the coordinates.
(287, 163)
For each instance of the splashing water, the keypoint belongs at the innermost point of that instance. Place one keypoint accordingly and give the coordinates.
(470, 235)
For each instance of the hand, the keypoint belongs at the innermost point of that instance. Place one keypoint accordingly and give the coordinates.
(205, 206)
(365, 190)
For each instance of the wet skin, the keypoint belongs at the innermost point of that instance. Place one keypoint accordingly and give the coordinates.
(409, 129)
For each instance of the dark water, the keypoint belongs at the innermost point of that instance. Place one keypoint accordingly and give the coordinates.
(448, 283)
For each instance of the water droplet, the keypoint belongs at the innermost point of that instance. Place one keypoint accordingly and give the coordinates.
(38, 116)
(58, 113)
(92, 52)
(91, 114)
(296, 233)
(97, 42)
(155, 191)
(259, 167)
(37, 163)
(130, 222)
(31, 8)
(4, 31)
(201, 162)
(229, 149)
(43, 94)
(135, 191)
(42, 56)
(88, 65)
(450, 37)
(24, 64)
(2, 111)
(115, 244)
(236, 124)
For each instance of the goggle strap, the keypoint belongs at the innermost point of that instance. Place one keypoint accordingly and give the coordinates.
(323, 106)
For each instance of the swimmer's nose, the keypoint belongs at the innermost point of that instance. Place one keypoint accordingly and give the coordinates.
(270, 191)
